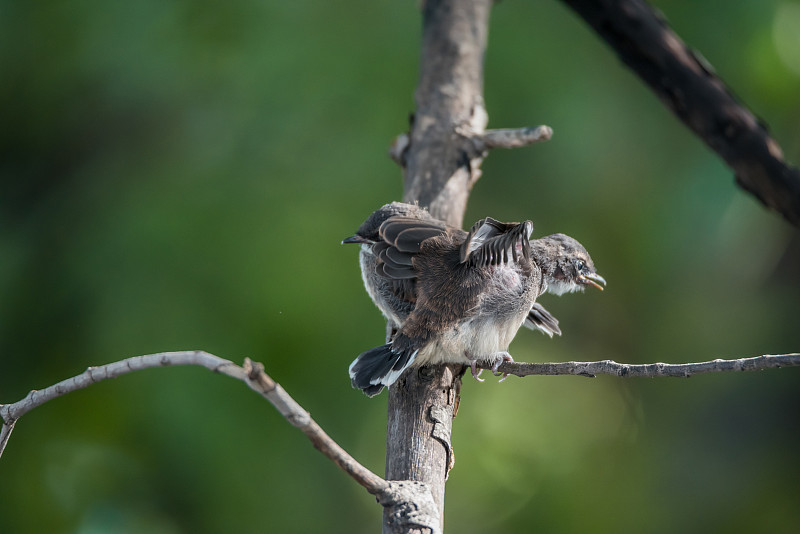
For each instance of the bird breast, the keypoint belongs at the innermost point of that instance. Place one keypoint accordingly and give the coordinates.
(502, 309)
(478, 337)
(511, 291)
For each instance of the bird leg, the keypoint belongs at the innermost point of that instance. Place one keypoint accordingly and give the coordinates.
(476, 373)
(501, 357)
(498, 357)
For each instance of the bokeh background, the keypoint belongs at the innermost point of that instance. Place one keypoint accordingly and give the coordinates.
(179, 174)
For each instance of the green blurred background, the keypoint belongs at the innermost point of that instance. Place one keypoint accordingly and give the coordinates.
(179, 174)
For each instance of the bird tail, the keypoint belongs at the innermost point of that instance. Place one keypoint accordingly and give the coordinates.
(540, 319)
(380, 367)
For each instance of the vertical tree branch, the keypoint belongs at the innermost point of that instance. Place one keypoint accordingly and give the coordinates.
(441, 166)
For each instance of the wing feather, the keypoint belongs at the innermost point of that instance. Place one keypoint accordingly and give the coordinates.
(490, 241)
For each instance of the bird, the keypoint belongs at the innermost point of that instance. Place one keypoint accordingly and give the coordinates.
(395, 298)
(454, 296)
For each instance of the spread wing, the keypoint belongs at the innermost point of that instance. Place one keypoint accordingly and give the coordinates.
(491, 242)
(400, 239)
(396, 249)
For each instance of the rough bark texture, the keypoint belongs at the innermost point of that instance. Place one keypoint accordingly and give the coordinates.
(441, 165)
(418, 448)
(688, 86)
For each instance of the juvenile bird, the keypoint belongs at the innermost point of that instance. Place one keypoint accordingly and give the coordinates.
(395, 298)
(453, 296)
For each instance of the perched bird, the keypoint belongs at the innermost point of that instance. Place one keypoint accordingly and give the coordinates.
(453, 296)
(395, 297)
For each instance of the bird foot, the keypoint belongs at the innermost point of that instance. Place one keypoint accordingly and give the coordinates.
(499, 358)
(476, 373)
(502, 357)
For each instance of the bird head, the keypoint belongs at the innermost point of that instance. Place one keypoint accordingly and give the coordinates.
(565, 264)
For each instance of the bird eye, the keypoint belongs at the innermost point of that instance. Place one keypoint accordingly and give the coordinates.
(580, 265)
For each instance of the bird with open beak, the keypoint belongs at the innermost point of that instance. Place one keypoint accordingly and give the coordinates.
(451, 296)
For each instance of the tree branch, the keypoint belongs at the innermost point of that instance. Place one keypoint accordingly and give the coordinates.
(511, 137)
(441, 165)
(408, 504)
(686, 84)
(449, 99)
(649, 370)
(441, 156)
(252, 374)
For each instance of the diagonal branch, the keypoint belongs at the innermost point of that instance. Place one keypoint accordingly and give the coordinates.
(649, 370)
(409, 504)
(687, 85)
(252, 374)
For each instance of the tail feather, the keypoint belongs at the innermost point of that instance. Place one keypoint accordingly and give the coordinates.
(540, 319)
(380, 367)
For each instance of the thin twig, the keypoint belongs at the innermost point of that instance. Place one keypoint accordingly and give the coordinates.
(511, 137)
(251, 373)
(92, 375)
(648, 370)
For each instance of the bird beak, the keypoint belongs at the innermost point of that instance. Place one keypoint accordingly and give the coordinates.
(592, 279)
(356, 239)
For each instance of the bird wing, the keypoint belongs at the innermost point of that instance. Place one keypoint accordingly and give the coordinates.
(400, 239)
(490, 242)
(458, 280)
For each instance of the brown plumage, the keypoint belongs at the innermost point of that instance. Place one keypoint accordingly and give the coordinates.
(470, 293)
(455, 296)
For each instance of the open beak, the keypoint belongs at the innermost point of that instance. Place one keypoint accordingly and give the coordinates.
(592, 279)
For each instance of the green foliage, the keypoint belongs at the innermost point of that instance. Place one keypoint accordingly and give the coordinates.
(178, 175)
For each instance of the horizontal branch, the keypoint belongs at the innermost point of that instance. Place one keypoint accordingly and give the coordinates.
(407, 502)
(252, 373)
(648, 370)
(477, 143)
(511, 137)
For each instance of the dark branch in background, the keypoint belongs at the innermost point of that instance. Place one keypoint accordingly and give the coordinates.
(689, 87)
(649, 370)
